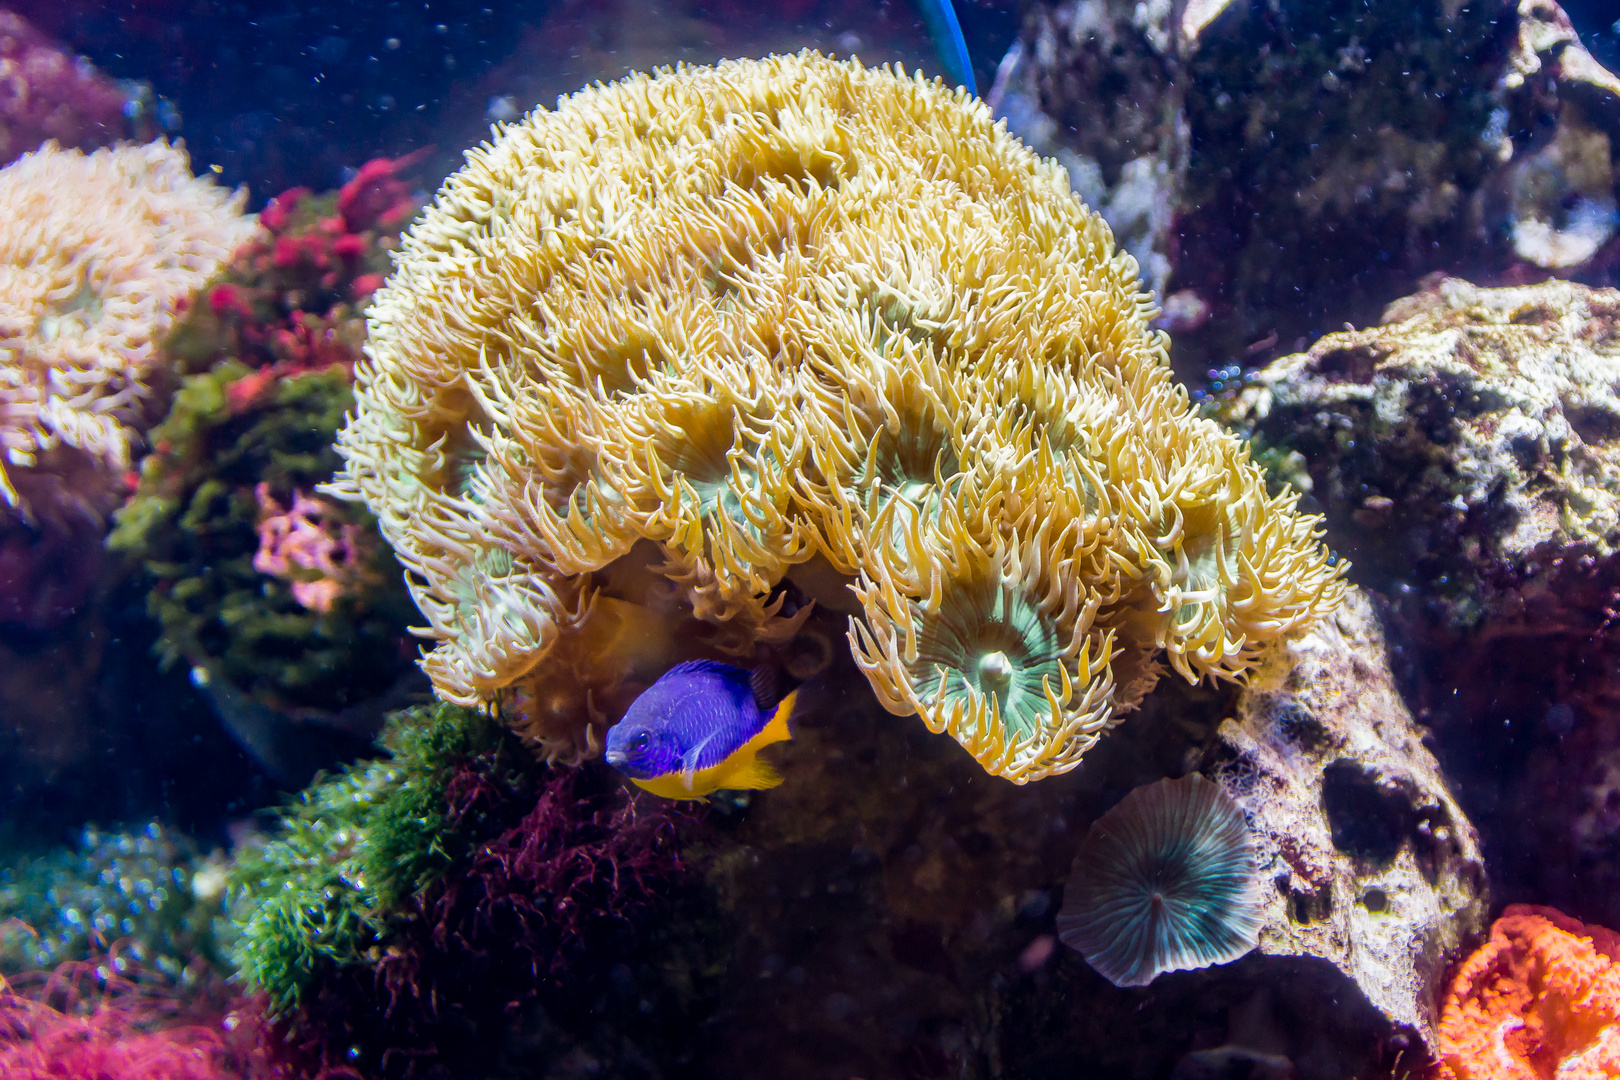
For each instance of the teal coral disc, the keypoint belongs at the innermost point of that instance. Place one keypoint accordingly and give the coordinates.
(1164, 881)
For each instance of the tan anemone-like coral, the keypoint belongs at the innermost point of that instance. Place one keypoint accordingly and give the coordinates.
(97, 251)
(712, 341)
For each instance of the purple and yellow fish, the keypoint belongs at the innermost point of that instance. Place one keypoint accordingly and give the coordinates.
(698, 729)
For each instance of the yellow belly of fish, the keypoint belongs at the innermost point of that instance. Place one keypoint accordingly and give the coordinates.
(741, 771)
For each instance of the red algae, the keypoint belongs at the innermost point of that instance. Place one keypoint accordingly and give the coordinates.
(79, 1024)
(291, 301)
(542, 918)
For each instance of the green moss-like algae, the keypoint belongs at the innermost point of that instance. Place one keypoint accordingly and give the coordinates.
(351, 851)
(193, 524)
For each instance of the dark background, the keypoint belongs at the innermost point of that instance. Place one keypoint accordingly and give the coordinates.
(279, 93)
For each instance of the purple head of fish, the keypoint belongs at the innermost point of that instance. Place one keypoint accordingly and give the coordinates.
(642, 748)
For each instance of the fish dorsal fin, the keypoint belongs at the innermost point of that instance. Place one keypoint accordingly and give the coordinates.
(766, 683)
(693, 667)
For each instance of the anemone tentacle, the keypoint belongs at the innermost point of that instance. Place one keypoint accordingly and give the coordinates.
(715, 339)
(994, 645)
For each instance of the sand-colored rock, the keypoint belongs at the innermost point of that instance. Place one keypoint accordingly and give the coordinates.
(1376, 868)
(1344, 151)
(1463, 447)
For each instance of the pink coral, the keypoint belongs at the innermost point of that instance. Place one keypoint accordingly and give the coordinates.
(1540, 999)
(300, 545)
(46, 93)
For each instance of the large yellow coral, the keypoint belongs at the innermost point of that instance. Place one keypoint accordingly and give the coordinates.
(97, 252)
(799, 319)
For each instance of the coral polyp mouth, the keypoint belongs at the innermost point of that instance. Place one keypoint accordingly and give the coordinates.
(994, 647)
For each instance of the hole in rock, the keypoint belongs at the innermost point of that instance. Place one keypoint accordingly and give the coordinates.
(1369, 821)
(1348, 365)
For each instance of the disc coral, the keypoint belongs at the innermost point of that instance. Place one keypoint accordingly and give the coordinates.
(782, 317)
(1164, 881)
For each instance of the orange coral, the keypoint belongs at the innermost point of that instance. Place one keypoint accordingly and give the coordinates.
(1540, 999)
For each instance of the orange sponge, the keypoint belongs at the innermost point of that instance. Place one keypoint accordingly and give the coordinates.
(1540, 999)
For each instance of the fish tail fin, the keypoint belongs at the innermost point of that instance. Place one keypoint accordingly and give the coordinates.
(776, 730)
(946, 31)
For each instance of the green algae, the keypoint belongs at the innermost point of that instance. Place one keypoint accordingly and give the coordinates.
(350, 852)
(194, 527)
(145, 900)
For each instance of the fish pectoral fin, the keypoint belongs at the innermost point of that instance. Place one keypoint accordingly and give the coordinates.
(689, 763)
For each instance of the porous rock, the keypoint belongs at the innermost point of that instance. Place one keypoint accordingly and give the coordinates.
(892, 902)
(1344, 150)
(1467, 449)
(1376, 868)
(1467, 456)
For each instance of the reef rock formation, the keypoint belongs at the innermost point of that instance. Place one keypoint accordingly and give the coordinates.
(1345, 150)
(710, 344)
(889, 902)
(1376, 868)
(1467, 455)
(52, 95)
(1467, 449)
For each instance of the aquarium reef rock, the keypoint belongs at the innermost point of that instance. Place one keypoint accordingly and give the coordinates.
(718, 342)
(1372, 863)
(53, 96)
(1464, 453)
(1344, 151)
(1463, 448)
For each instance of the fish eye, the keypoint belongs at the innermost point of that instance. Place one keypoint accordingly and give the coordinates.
(642, 740)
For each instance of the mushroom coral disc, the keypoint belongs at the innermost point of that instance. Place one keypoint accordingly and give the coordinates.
(773, 311)
(1164, 881)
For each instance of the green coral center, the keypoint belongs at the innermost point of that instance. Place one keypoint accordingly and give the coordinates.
(990, 640)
